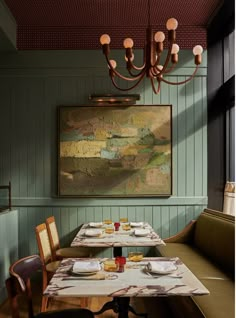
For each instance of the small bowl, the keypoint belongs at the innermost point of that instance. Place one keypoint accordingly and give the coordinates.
(135, 256)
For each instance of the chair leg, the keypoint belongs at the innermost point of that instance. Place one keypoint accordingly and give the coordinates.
(44, 303)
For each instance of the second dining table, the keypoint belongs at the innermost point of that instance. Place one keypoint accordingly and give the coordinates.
(130, 234)
(138, 280)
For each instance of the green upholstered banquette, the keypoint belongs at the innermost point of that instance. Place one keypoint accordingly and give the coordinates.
(207, 247)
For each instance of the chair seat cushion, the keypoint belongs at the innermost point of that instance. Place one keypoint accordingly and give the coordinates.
(220, 302)
(52, 266)
(73, 252)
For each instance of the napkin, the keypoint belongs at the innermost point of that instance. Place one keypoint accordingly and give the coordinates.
(95, 224)
(141, 232)
(93, 232)
(162, 267)
(86, 266)
(136, 224)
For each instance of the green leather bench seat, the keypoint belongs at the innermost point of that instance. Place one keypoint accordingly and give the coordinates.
(207, 247)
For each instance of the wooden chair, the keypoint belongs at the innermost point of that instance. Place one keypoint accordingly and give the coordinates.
(49, 266)
(58, 252)
(19, 283)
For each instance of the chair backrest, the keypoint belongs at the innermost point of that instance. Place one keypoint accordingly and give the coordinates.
(19, 284)
(43, 242)
(53, 235)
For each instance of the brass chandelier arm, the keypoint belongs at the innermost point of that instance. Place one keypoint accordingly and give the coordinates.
(170, 68)
(127, 89)
(131, 79)
(157, 59)
(167, 57)
(156, 90)
(129, 69)
(138, 68)
(133, 75)
(182, 82)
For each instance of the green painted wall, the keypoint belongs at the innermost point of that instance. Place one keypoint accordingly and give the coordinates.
(33, 84)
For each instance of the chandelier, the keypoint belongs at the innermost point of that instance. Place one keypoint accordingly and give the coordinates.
(153, 50)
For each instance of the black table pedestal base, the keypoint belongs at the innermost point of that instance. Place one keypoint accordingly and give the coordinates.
(121, 306)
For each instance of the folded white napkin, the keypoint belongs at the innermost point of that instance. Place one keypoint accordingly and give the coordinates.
(86, 266)
(136, 224)
(141, 232)
(93, 232)
(161, 267)
(95, 224)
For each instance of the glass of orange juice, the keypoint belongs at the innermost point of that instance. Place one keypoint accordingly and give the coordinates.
(126, 227)
(109, 230)
(135, 256)
(107, 221)
(110, 265)
(123, 220)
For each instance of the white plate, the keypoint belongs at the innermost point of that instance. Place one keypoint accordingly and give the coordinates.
(93, 233)
(141, 232)
(96, 224)
(83, 273)
(136, 224)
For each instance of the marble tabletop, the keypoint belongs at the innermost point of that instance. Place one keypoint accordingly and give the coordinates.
(119, 238)
(133, 282)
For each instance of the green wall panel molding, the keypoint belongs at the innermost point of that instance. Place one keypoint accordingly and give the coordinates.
(77, 202)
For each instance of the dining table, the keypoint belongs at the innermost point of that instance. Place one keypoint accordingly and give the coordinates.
(138, 279)
(135, 234)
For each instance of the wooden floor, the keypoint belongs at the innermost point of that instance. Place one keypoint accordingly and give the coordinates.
(155, 307)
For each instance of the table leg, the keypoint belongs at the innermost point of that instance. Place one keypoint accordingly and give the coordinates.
(117, 251)
(121, 306)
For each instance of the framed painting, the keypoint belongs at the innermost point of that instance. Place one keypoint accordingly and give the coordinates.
(115, 151)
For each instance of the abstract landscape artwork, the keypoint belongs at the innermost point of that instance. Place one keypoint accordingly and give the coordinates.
(115, 151)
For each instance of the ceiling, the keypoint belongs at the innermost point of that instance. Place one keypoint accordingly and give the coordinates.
(78, 24)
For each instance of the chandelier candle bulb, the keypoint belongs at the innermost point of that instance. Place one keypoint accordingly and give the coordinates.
(105, 39)
(171, 24)
(197, 51)
(175, 49)
(128, 43)
(159, 37)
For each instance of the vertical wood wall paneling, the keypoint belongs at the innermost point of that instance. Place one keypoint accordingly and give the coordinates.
(181, 141)
(204, 134)
(173, 90)
(198, 142)
(190, 158)
(5, 159)
(29, 100)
